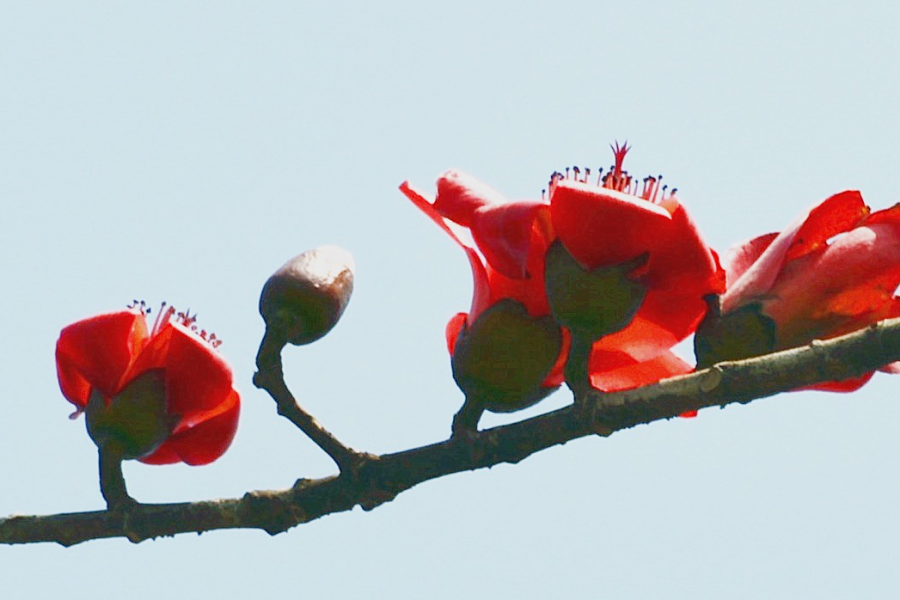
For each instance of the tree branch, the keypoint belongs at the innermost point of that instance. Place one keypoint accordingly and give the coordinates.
(270, 377)
(378, 479)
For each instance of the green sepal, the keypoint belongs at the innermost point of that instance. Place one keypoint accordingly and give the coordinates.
(135, 421)
(592, 303)
(502, 359)
(740, 334)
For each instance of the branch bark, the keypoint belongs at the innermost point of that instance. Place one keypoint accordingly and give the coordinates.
(378, 479)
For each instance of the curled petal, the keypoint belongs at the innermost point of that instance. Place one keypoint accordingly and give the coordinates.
(459, 196)
(489, 284)
(422, 203)
(481, 297)
(837, 213)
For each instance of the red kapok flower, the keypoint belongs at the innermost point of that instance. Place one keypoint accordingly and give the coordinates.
(831, 272)
(511, 240)
(162, 396)
(507, 351)
(617, 222)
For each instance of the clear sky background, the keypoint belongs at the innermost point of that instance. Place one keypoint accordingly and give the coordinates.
(182, 151)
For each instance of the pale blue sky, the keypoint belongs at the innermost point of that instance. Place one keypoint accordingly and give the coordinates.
(182, 151)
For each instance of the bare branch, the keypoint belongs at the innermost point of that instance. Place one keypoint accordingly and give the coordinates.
(378, 479)
(270, 377)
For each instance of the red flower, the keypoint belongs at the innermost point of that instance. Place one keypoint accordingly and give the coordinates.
(599, 226)
(833, 271)
(528, 349)
(611, 224)
(165, 395)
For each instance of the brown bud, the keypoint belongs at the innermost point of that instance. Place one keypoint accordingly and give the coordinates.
(306, 297)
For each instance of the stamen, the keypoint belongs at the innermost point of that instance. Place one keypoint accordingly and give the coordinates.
(140, 305)
(650, 188)
(162, 318)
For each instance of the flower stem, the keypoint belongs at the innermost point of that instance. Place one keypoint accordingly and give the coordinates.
(576, 371)
(270, 377)
(112, 480)
(466, 420)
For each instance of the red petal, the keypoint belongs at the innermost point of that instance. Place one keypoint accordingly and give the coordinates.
(844, 286)
(96, 353)
(205, 441)
(482, 294)
(887, 216)
(504, 234)
(739, 258)
(835, 214)
(423, 204)
(664, 319)
(454, 326)
(847, 385)
(557, 376)
(602, 227)
(614, 371)
(891, 368)
(680, 258)
(459, 195)
(198, 379)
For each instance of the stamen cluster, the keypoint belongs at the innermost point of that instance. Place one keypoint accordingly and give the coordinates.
(185, 319)
(616, 178)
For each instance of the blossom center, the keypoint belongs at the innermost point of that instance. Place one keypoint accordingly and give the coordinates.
(185, 319)
(649, 188)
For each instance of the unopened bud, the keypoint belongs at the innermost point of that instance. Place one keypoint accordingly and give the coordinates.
(305, 298)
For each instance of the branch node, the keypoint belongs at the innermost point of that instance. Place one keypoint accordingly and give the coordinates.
(711, 379)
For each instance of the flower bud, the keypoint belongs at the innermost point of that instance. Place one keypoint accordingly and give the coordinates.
(305, 298)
